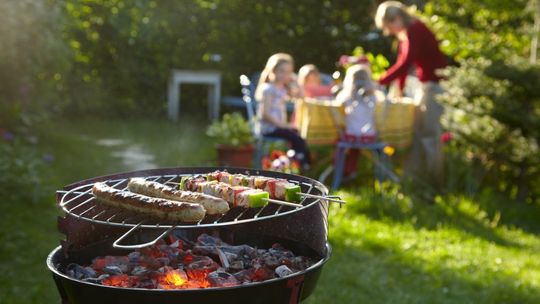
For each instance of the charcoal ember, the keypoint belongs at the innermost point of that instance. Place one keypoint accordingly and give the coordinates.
(164, 269)
(184, 257)
(114, 270)
(300, 262)
(240, 250)
(263, 274)
(280, 252)
(177, 244)
(150, 262)
(122, 280)
(244, 276)
(207, 240)
(147, 284)
(97, 280)
(163, 261)
(271, 261)
(134, 257)
(203, 263)
(168, 251)
(139, 271)
(222, 279)
(237, 265)
(152, 251)
(172, 279)
(283, 271)
(101, 262)
(231, 257)
(78, 272)
(198, 275)
(204, 250)
(221, 269)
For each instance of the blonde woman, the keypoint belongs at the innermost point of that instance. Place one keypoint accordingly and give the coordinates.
(418, 47)
(275, 87)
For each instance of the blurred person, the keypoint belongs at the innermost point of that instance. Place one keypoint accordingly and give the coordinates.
(358, 97)
(418, 47)
(275, 88)
(309, 81)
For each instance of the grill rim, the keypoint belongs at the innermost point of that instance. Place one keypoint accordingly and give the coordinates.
(176, 172)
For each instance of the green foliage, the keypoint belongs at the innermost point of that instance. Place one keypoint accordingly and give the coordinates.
(33, 61)
(494, 114)
(127, 48)
(492, 29)
(378, 62)
(232, 130)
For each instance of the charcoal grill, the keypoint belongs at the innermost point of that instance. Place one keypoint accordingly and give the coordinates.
(92, 229)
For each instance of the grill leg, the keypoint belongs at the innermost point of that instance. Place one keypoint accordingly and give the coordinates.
(295, 285)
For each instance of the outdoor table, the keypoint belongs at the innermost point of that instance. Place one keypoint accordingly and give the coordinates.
(320, 121)
(178, 77)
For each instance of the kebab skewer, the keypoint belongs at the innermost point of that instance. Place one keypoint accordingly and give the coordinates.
(279, 189)
(236, 196)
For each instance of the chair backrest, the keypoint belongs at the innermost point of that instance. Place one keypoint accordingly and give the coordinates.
(248, 96)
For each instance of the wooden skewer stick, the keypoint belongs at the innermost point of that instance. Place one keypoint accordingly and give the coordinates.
(282, 202)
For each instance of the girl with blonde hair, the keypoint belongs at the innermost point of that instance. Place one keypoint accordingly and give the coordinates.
(358, 97)
(274, 89)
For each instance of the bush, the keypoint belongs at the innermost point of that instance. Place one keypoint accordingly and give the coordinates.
(127, 48)
(34, 61)
(19, 166)
(493, 111)
(232, 130)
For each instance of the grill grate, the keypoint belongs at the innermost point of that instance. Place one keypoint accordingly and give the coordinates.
(80, 203)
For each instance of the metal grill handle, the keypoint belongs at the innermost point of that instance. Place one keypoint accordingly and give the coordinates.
(139, 246)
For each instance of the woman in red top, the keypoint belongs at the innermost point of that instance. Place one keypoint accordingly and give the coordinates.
(418, 47)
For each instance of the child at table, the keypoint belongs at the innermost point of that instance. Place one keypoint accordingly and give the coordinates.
(273, 90)
(358, 97)
(309, 81)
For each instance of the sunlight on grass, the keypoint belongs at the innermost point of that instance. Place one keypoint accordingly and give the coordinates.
(389, 250)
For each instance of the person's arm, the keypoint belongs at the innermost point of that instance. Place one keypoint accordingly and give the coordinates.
(408, 51)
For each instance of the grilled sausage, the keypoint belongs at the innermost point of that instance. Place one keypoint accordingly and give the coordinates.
(159, 207)
(213, 205)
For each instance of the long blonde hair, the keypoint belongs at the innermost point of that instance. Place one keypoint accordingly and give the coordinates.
(357, 77)
(271, 65)
(389, 10)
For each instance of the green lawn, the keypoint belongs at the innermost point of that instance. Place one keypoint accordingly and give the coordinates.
(387, 248)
